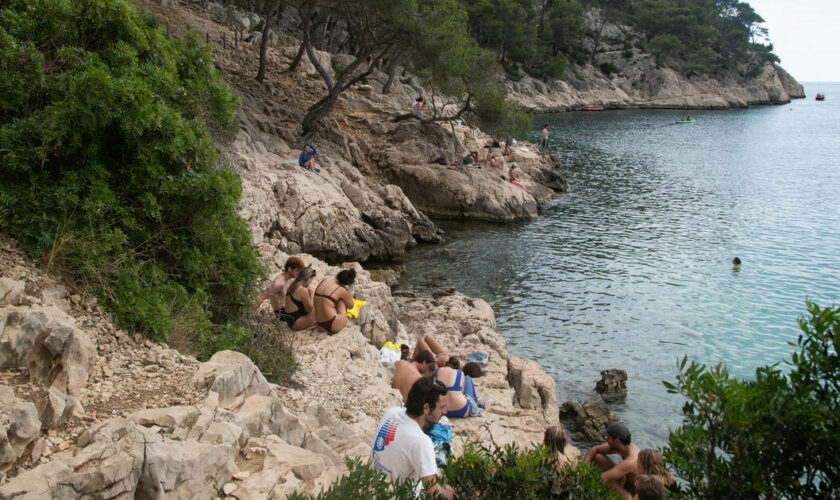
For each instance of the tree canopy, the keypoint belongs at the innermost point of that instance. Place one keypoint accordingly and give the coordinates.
(108, 168)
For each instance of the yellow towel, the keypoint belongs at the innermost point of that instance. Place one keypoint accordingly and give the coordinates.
(357, 304)
(392, 346)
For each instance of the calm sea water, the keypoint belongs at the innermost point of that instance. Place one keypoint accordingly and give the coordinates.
(632, 268)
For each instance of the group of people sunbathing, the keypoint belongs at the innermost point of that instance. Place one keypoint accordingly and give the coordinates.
(294, 301)
(432, 385)
(430, 360)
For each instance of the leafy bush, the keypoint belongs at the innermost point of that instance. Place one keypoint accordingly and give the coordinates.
(772, 437)
(108, 168)
(481, 473)
(608, 68)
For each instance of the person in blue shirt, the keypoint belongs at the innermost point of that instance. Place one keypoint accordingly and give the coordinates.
(307, 158)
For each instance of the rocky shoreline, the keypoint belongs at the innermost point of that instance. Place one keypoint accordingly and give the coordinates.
(99, 412)
(91, 410)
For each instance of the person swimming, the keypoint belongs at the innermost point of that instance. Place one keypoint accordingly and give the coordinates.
(736, 264)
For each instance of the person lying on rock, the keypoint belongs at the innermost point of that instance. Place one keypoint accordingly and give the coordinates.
(276, 292)
(307, 158)
(300, 310)
(401, 449)
(332, 300)
(459, 405)
(620, 477)
(406, 373)
(430, 344)
(557, 442)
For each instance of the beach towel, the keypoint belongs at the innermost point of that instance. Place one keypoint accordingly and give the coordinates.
(389, 353)
(524, 149)
(520, 186)
(357, 304)
(478, 357)
(441, 435)
(472, 397)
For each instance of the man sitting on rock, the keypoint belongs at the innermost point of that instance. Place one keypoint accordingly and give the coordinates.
(276, 293)
(407, 373)
(401, 449)
(619, 477)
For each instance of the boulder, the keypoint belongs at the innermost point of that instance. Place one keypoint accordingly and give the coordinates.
(56, 408)
(19, 426)
(46, 342)
(261, 415)
(233, 376)
(613, 384)
(118, 458)
(170, 418)
(12, 292)
(585, 421)
(533, 387)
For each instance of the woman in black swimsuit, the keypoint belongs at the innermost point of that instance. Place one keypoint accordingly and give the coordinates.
(332, 300)
(300, 310)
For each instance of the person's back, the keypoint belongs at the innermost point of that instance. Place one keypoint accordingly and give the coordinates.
(454, 381)
(332, 300)
(406, 373)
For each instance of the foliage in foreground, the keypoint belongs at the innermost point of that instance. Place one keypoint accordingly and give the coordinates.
(108, 168)
(773, 437)
(481, 473)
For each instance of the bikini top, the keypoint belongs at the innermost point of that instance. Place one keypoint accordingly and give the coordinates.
(329, 297)
(456, 386)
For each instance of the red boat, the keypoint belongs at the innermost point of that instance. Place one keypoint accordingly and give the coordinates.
(820, 97)
(592, 109)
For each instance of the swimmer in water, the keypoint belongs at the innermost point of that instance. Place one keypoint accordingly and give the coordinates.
(736, 264)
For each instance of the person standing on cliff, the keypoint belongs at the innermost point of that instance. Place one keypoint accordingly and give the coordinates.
(544, 141)
(620, 477)
(276, 292)
(407, 373)
(401, 449)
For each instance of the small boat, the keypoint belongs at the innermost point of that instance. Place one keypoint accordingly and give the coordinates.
(592, 109)
(820, 97)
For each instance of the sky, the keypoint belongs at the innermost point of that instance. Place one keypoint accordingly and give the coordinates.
(804, 36)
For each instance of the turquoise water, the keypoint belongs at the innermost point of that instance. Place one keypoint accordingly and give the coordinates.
(632, 268)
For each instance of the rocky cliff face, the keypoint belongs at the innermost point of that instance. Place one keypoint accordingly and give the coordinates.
(87, 410)
(639, 82)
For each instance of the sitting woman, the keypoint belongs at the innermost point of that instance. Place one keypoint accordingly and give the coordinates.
(458, 405)
(557, 442)
(332, 300)
(300, 311)
(650, 462)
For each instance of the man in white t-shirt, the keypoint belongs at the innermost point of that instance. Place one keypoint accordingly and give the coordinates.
(401, 449)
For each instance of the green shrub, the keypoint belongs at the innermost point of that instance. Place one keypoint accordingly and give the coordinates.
(270, 347)
(482, 473)
(772, 437)
(608, 68)
(108, 167)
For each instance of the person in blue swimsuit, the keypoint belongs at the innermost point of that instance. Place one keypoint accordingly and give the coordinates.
(307, 158)
(458, 406)
(300, 309)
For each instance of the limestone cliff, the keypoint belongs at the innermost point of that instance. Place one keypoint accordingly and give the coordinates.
(638, 82)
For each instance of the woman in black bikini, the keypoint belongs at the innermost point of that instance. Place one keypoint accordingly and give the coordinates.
(332, 300)
(300, 311)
